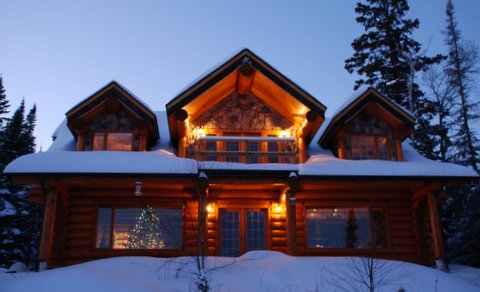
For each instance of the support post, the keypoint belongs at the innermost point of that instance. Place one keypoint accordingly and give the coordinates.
(45, 251)
(438, 242)
(202, 185)
(292, 214)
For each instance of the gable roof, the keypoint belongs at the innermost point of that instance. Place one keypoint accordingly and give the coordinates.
(246, 72)
(359, 102)
(114, 90)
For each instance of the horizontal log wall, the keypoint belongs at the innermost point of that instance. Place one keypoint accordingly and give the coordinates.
(398, 215)
(80, 229)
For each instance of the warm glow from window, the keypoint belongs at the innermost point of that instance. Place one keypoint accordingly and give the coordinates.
(200, 132)
(112, 141)
(284, 134)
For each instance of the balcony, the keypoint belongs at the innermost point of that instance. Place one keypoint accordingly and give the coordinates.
(244, 149)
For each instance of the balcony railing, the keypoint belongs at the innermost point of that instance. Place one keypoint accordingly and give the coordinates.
(245, 149)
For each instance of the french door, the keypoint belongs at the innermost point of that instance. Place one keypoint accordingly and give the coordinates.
(242, 230)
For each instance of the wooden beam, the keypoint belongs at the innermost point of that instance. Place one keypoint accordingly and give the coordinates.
(181, 121)
(291, 205)
(48, 227)
(245, 78)
(202, 236)
(438, 242)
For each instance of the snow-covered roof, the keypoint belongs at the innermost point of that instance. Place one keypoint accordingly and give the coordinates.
(61, 158)
(323, 163)
(102, 162)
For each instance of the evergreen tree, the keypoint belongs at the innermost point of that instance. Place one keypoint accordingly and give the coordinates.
(4, 105)
(462, 67)
(351, 230)
(9, 144)
(28, 138)
(146, 233)
(387, 57)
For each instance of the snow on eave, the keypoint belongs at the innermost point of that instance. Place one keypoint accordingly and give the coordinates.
(414, 166)
(101, 162)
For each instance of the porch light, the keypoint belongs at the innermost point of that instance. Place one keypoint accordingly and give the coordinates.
(201, 132)
(277, 208)
(138, 188)
(284, 134)
(210, 208)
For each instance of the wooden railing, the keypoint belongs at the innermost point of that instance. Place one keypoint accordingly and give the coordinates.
(245, 149)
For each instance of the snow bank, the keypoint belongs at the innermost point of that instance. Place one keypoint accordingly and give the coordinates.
(254, 271)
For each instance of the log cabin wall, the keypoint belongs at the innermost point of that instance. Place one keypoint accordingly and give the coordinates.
(81, 222)
(399, 223)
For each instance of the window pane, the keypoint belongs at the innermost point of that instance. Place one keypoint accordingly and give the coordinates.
(234, 147)
(119, 141)
(211, 146)
(252, 147)
(230, 238)
(255, 230)
(99, 141)
(363, 147)
(378, 228)
(338, 228)
(382, 144)
(147, 228)
(104, 223)
(272, 147)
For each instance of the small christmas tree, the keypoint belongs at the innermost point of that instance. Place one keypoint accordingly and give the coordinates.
(146, 233)
(351, 230)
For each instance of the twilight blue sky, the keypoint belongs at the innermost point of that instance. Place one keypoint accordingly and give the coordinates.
(56, 53)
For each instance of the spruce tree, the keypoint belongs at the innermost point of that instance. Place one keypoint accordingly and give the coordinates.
(4, 104)
(462, 211)
(10, 145)
(28, 130)
(387, 57)
(462, 66)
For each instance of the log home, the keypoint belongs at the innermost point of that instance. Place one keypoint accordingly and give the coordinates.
(242, 160)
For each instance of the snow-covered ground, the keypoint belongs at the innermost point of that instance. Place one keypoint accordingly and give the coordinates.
(254, 271)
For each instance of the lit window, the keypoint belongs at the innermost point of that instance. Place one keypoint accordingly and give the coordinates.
(345, 228)
(148, 228)
(113, 141)
(369, 147)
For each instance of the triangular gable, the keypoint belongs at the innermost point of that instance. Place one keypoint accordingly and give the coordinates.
(247, 73)
(388, 110)
(114, 91)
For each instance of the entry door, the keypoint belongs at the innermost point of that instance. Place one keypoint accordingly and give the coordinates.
(242, 230)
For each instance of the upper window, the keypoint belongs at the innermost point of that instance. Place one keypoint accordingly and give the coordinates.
(369, 147)
(346, 228)
(369, 137)
(112, 141)
(129, 228)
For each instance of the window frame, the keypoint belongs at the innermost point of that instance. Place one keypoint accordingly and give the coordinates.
(114, 206)
(105, 134)
(376, 147)
(242, 226)
(354, 250)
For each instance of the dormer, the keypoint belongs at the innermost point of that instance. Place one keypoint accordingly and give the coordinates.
(370, 126)
(113, 119)
(244, 111)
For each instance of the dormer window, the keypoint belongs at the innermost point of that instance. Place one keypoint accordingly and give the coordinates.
(369, 147)
(112, 141)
